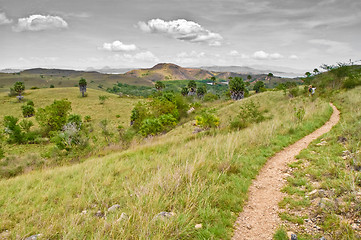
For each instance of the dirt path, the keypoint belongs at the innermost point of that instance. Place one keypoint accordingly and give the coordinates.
(259, 218)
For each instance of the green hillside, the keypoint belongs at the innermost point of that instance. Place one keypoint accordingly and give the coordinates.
(195, 178)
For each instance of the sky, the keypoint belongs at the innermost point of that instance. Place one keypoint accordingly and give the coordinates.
(191, 33)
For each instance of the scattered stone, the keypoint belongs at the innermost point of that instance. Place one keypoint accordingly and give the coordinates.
(324, 202)
(290, 234)
(321, 143)
(248, 226)
(33, 237)
(123, 217)
(322, 238)
(164, 215)
(354, 226)
(99, 214)
(293, 237)
(84, 212)
(191, 110)
(312, 194)
(198, 226)
(197, 130)
(113, 208)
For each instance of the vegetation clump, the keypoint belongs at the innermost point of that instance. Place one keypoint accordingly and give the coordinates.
(249, 113)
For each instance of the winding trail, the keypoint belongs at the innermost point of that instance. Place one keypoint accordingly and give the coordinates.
(259, 218)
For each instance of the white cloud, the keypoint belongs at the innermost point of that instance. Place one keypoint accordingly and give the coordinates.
(40, 23)
(332, 46)
(118, 46)
(261, 55)
(146, 56)
(183, 30)
(235, 53)
(4, 20)
(192, 54)
(293, 57)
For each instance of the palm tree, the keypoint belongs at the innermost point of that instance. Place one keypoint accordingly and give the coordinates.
(82, 86)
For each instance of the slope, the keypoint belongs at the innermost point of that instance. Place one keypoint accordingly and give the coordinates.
(202, 179)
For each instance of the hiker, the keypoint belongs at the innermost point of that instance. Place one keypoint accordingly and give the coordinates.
(311, 90)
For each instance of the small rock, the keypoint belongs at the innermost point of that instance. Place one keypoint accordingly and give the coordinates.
(248, 226)
(354, 226)
(33, 237)
(190, 110)
(99, 214)
(84, 212)
(197, 130)
(164, 215)
(113, 208)
(198, 226)
(321, 143)
(322, 238)
(341, 139)
(293, 237)
(123, 217)
(289, 234)
(312, 194)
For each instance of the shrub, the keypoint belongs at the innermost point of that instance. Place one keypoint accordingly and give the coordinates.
(2, 154)
(13, 130)
(51, 86)
(209, 97)
(102, 99)
(26, 125)
(75, 119)
(87, 118)
(237, 88)
(70, 137)
(259, 87)
(293, 92)
(28, 110)
(151, 126)
(105, 131)
(299, 113)
(207, 119)
(249, 114)
(54, 116)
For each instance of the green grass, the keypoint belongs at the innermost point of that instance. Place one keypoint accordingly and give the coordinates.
(329, 168)
(202, 178)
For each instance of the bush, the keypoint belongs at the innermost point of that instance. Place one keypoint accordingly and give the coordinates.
(26, 125)
(207, 119)
(51, 86)
(151, 126)
(209, 97)
(299, 113)
(75, 119)
(294, 92)
(54, 116)
(70, 137)
(28, 110)
(2, 154)
(102, 99)
(351, 82)
(249, 114)
(87, 118)
(13, 130)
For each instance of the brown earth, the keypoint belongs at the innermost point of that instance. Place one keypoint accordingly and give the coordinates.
(259, 218)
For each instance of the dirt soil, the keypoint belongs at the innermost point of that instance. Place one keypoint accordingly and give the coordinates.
(259, 219)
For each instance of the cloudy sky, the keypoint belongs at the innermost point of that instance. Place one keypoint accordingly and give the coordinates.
(140, 33)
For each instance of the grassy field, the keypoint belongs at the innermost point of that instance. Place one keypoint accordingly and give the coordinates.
(325, 187)
(60, 79)
(29, 156)
(201, 178)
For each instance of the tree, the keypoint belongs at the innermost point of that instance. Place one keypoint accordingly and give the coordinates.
(201, 91)
(258, 86)
(184, 91)
(315, 71)
(192, 86)
(82, 86)
(159, 85)
(308, 74)
(19, 88)
(249, 77)
(237, 88)
(270, 75)
(213, 79)
(54, 116)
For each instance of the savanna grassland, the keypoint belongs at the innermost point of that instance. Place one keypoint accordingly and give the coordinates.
(194, 178)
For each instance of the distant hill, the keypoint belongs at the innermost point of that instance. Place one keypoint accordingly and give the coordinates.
(169, 71)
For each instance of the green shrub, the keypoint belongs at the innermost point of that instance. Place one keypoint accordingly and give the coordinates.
(299, 113)
(102, 99)
(54, 116)
(28, 110)
(351, 82)
(26, 125)
(87, 118)
(293, 92)
(151, 126)
(70, 137)
(76, 119)
(51, 86)
(209, 97)
(13, 130)
(2, 153)
(207, 119)
(249, 114)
